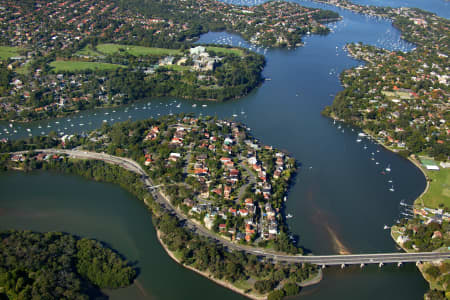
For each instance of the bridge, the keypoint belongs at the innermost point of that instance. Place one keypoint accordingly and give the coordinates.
(322, 260)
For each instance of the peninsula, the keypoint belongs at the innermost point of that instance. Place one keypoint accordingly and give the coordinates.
(66, 56)
(214, 174)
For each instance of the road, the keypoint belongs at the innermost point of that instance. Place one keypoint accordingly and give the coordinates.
(322, 260)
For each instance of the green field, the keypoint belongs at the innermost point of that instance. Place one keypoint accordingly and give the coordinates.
(177, 67)
(439, 191)
(7, 52)
(135, 50)
(73, 66)
(397, 95)
(88, 51)
(220, 50)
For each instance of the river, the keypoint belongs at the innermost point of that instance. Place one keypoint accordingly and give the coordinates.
(340, 199)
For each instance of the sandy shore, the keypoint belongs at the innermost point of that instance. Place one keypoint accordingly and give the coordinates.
(209, 276)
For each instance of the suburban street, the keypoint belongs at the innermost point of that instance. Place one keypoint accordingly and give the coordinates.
(322, 260)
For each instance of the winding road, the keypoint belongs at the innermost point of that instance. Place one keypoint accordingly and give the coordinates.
(322, 260)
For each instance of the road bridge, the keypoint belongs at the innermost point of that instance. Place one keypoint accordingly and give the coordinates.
(321, 260)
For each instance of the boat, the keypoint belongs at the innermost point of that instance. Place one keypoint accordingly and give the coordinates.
(388, 168)
(289, 216)
(194, 105)
(390, 181)
(28, 129)
(204, 105)
(284, 199)
(179, 105)
(392, 189)
(386, 227)
(235, 115)
(362, 134)
(358, 140)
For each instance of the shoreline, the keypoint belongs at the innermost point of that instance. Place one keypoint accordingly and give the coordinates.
(220, 282)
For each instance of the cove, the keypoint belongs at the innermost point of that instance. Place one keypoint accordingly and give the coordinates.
(339, 194)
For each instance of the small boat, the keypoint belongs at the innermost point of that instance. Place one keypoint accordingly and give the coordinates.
(392, 188)
(362, 134)
(28, 129)
(179, 105)
(365, 147)
(386, 227)
(284, 199)
(194, 105)
(10, 125)
(388, 169)
(289, 216)
(377, 163)
(204, 105)
(390, 181)
(235, 115)
(358, 140)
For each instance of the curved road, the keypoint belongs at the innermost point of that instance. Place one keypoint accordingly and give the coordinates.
(323, 260)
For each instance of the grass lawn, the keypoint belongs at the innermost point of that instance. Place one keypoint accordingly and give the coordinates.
(88, 51)
(177, 67)
(7, 52)
(135, 50)
(68, 65)
(24, 69)
(396, 94)
(439, 191)
(219, 50)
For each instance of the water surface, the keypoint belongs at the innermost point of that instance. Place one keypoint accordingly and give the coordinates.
(340, 196)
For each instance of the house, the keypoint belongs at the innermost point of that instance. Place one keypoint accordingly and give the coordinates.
(437, 234)
(273, 229)
(189, 202)
(249, 203)
(174, 156)
(197, 50)
(222, 227)
(232, 211)
(227, 191)
(243, 212)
